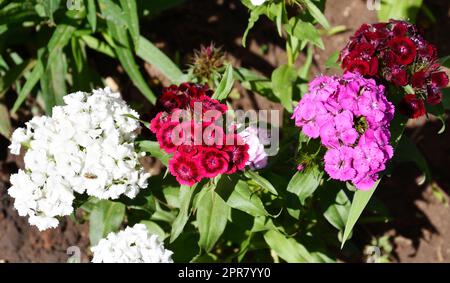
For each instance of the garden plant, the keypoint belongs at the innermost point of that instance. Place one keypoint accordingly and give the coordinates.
(260, 185)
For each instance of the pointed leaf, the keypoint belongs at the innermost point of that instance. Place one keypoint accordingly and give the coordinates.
(317, 14)
(212, 217)
(92, 14)
(131, 15)
(287, 248)
(155, 150)
(185, 197)
(260, 180)
(123, 49)
(225, 85)
(283, 79)
(106, 217)
(53, 83)
(152, 55)
(242, 198)
(337, 212)
(305, 182)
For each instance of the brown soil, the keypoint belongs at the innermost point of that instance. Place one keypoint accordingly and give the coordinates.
(420, 225)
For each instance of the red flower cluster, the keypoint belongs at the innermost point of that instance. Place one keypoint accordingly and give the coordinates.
(186, 127)
(397, 53)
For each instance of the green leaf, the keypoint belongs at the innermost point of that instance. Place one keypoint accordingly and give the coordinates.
(287, 248)
(262, 223)
(31, 81)
(123, 50)
(305, 182)
(337, 213)
(154, 149)
(212, 217)
(106, 217)
(304, 31)
(332, 61)
(359, 202)
(154, 228)
(317, 14)
(399, 10)
(59, 39)
(254, 17)
(78, 53)
(92, 14)
(256, 83)
(185, 197)
(242, 199)
(98, 45)
(13, 74)
(225, 185)
(50, 7)
(5, 123)
(113, 13)
(283, 79)
(53, 83)
(226, 84)
(152, 55)
(131, 15)
(16, 13)
(261, 181)
(445, 61)
(280, 17)
(303, 72)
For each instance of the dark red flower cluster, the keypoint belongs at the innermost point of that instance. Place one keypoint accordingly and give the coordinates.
(397, 53)
(187, 127)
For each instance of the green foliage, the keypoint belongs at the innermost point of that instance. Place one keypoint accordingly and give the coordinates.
(305, 182)
(58, 64)
(106, 217)
(288, 249)
(226, 84)
(212, 217)
(247, 216)
(283, 79)
(405, 10)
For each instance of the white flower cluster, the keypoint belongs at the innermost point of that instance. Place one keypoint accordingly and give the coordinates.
(132, 245)
(87, 146)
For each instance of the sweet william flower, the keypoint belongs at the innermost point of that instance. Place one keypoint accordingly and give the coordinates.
(256, 138)
(339, 163)
(404, 49)
(439, 79)
(411, 106)
(188, 128)
(354, 126)
(238, 153)
(403, 57)
(186, 170)
(86, 146)
(213, 162)
(132, 245)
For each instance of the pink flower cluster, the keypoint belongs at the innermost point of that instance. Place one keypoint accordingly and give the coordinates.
(351, 115)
